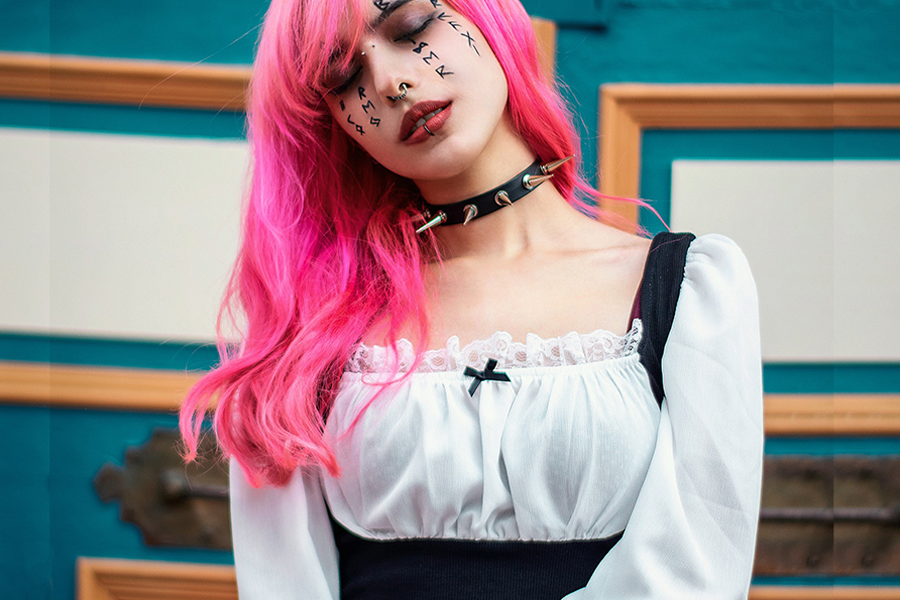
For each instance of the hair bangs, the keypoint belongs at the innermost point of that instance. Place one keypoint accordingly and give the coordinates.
(327, 33)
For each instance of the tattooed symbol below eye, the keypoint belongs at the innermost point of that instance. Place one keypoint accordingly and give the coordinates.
(454, 25)
(431, 55)
(440, 71)
(419, 49)
(367, 106)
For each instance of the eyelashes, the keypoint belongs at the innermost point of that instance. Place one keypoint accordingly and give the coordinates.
(407, 37)
(340, 87)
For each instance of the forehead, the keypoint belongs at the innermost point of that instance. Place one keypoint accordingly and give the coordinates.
(366, 16)
(379, 10)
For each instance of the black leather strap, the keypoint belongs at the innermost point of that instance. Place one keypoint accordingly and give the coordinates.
(485, 203)
(660, 288)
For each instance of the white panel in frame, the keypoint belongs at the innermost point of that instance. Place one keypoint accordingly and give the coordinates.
(819, 236)
(116, 235)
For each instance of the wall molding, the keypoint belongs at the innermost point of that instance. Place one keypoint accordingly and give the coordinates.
(122, 82)
(838, 592)
(627, 109)
(64, 386)
(165, 84)
(840, 414)
(119, 579)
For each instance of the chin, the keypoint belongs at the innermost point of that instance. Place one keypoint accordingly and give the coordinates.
(447, 159)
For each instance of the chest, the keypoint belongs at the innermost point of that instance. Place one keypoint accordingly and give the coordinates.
(556, 452)
(549, 297)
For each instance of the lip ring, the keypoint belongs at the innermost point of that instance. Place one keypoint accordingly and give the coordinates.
(416, 112)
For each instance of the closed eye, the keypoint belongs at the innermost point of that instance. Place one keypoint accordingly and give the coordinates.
(408, 36)
(342, 87)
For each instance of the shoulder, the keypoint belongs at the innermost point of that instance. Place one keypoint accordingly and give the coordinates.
(716, 263)
(718, 294)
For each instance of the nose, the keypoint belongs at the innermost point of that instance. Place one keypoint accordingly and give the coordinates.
(393, 73)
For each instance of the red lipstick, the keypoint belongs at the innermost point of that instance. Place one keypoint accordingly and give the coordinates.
(429, 113)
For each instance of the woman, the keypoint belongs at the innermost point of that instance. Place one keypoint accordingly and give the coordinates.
(445, 391)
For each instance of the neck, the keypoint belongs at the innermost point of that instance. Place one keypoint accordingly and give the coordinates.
(537, 222)
(540, 216)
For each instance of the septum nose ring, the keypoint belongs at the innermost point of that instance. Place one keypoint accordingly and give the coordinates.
(403, 89)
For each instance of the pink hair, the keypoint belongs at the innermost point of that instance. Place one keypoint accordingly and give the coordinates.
(329, 245)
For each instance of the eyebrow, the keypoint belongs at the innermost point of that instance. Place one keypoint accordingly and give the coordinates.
(387, 12)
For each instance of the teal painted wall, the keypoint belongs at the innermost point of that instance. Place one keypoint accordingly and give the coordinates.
(49, 512)
(50, 455)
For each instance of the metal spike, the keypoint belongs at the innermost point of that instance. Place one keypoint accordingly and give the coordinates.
(502, 198)
(532, 181)
(439, 219)
(552, 166)
(471, 211)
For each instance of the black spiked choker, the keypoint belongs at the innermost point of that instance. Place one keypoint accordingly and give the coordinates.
(464, 211)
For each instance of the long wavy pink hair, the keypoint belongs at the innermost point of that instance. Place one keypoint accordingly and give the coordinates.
(328, 238)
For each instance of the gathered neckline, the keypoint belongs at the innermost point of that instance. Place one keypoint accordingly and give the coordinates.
(572, 348)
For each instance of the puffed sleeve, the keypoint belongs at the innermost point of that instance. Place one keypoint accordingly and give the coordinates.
(692, 533)
(283, 545)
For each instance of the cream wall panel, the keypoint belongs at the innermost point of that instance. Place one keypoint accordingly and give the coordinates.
(867, 259)
(114, 235)
(817, 235)
(24, 229)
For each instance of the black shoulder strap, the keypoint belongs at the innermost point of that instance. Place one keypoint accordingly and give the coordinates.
(660, 288)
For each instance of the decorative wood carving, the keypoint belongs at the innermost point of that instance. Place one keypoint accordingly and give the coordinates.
(173, 504)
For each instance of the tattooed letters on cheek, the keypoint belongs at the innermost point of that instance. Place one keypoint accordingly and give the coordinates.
(469, 39)
(456, 27)
(359, 128)
(361, 92)
(441, 70)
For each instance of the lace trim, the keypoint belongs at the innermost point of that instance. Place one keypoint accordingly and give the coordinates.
(570, 349)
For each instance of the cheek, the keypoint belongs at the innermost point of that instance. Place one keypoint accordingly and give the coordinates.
(357, 113)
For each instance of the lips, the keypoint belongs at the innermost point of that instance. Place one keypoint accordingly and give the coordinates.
(419, 114)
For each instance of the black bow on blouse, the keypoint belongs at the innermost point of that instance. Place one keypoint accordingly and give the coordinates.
(487, 373)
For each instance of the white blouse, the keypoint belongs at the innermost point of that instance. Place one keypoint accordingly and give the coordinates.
(573, 447)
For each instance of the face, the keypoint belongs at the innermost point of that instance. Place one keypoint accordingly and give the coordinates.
(455, 94)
